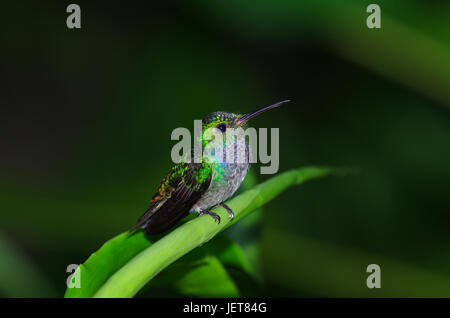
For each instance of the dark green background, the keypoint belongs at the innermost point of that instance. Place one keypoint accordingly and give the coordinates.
(86, 117)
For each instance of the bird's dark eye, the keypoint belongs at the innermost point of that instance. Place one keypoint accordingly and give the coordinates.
(222, 127)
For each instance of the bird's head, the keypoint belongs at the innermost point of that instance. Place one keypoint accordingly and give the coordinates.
(219, 122)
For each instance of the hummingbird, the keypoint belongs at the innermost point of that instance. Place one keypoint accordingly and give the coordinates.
(192, 187)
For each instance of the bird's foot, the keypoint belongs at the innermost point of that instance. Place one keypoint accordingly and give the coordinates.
(226, 207)
(214, 215)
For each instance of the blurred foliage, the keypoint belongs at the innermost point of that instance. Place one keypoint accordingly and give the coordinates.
(18, 277)
(86, 118)
(342, 270)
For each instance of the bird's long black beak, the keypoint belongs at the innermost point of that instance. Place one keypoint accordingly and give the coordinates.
(241, 121)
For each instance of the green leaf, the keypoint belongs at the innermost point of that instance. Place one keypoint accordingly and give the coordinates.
(206, 264)
(205, 277)
(128, 262)
(113, 255)
(231, 254)
(227, 251)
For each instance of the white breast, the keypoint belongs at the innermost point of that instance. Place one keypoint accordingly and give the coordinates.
(226, 179)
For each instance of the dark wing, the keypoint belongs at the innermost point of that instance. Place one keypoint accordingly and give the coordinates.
(178, 192)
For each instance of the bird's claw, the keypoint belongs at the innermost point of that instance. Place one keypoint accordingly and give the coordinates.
(215, 216)
(226, 207)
